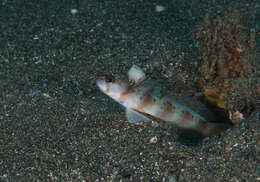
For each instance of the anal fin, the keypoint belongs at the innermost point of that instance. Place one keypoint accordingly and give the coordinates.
(136, 117)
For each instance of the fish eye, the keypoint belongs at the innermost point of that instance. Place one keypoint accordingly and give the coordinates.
(110, 79)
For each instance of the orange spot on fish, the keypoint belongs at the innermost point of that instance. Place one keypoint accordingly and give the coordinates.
(145, 102)
(107, 91)
(168, 108)
(128, 91)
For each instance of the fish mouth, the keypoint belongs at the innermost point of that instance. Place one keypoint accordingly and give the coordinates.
(101, 83)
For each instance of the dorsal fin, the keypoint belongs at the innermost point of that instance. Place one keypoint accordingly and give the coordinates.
(136, 74)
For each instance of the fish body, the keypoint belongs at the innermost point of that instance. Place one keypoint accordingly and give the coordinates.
(147, 98)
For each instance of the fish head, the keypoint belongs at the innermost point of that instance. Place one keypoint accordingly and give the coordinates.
(111, 86)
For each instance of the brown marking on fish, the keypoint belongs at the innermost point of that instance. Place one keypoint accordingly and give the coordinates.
(186, 117)
(145, 102)
(167, 109)
(107, 91)
(128, 91)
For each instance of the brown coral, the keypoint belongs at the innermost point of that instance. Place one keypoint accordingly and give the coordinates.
(227, 62)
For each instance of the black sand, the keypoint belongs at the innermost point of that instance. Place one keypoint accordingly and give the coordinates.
(55, 125)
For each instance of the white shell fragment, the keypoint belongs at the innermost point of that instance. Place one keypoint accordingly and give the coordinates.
(74, 11)
(136, 74)
(159, 8)
(236, 117)
(153, 139)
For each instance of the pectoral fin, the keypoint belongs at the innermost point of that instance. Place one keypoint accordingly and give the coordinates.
(136, 117)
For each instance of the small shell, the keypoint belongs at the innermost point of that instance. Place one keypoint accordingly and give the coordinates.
(154, 139)
(235, 117)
